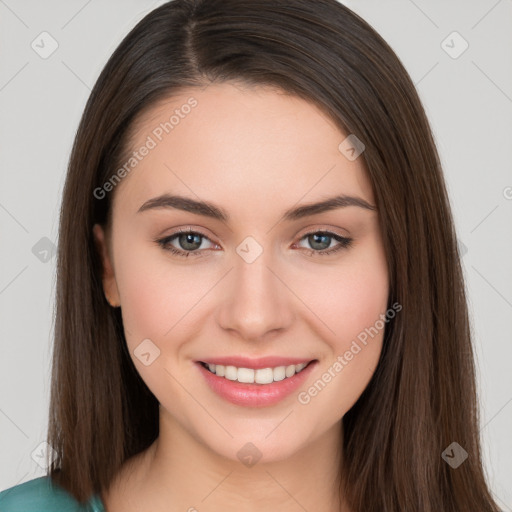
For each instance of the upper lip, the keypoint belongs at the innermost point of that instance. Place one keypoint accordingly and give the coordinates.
(255, 364)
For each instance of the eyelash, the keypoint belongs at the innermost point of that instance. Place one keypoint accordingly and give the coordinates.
(344, 243)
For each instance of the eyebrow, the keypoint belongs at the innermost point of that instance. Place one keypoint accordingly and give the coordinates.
(210, 210)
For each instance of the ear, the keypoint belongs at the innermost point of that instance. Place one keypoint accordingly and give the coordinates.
(108, 276)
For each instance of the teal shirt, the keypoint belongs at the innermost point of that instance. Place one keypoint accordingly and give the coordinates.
(41, 495)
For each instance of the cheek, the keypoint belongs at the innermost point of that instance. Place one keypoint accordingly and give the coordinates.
(346, 298)
(144, 298)
(348, 302)
(158, 299)
(362, 297)
(156, 293)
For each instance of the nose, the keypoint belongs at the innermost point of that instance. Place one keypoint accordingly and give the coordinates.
(257, 300)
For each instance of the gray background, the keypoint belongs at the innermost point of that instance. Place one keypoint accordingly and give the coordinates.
(468, 100)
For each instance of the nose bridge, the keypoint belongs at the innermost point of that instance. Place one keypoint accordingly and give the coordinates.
(257, 301)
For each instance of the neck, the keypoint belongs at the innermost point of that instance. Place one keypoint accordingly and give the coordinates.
(179, 473)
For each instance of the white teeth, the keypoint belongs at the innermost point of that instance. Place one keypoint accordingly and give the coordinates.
(290, 370)
(263, 376)
(245, 375)
(231, 373)
(260, 376)
(279, 373)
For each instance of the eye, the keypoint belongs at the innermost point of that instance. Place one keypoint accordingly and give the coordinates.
(191, 242)
(321, 242)
(188, 241)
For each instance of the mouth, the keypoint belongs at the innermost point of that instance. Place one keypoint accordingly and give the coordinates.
(255, 387)
(260, 376)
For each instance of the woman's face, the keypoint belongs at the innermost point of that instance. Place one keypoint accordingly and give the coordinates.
(255, 283)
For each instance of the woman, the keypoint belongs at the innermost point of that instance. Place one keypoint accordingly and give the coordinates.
(260, 301)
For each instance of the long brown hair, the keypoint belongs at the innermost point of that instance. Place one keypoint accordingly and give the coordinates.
(422, 396)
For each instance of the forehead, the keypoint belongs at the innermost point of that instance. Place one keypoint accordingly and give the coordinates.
(236, 143)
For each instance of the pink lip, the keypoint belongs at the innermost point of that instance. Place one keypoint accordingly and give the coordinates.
(255, 395)
(255, 364)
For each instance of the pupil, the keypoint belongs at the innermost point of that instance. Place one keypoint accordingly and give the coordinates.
(325, 243)
(189, 239)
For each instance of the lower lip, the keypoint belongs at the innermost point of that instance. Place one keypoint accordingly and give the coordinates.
(255, 395)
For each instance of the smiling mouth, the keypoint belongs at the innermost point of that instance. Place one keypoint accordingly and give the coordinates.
(255, 376)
